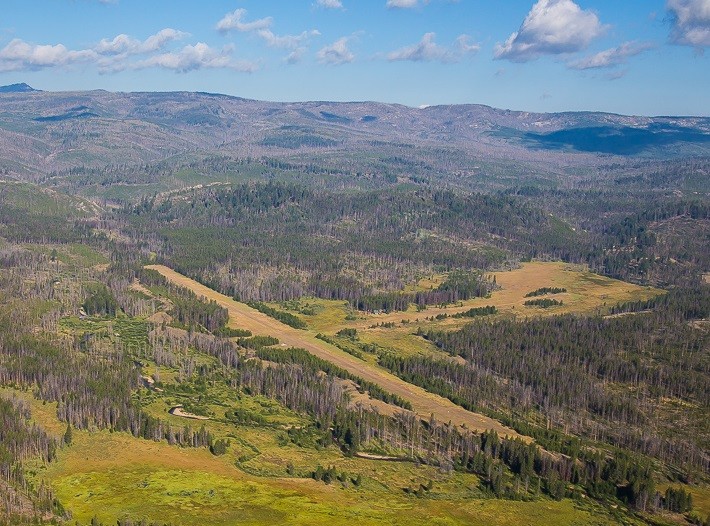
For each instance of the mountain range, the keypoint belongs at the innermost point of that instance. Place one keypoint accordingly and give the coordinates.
(44, 133)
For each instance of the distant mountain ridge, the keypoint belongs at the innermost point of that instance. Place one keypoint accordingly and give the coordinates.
(17, 88)
(44, 132)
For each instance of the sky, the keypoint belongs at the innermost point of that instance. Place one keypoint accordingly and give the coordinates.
(635, 57)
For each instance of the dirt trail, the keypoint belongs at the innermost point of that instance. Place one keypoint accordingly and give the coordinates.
(179, 411)
(424, 403)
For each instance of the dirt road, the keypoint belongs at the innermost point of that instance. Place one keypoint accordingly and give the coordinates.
(424, 403)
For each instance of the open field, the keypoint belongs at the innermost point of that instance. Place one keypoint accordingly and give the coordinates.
(586, 293)
(114, 475)
(423, 402)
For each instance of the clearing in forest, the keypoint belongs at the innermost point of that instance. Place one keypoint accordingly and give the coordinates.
(586, 292)
(424, 403)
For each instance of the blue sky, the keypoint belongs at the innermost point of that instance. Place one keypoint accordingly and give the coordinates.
(647, 57)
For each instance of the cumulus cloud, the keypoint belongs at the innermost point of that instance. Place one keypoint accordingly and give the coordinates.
(691, 22)
(233, 22)
(286, 41)
(427, 50)
(124, 44)
(262, 28)
(295, 56)
(610, 58)
(464, 45)
(336, 53)
(19, 55)
(552, 27)
(330, 4)
(118, 54)
(199, 56)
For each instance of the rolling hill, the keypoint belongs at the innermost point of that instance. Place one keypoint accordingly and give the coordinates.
(48, 133)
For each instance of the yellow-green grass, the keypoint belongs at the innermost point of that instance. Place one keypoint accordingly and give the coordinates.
(75, 254)
(112, 475)
(44, 414)
(328, 313)
(401, 340)
(701, 499)
(426, 284)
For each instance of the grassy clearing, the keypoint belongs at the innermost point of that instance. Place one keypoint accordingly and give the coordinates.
(402, 341)
(701, 499)
(43, 413)
(425, 284)
(114, 475)
(131, 332)
(74, 255)
(87, 256)
(586, 293)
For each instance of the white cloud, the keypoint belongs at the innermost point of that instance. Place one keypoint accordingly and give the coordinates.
(295, 56)
(552, 27)
(336, 53)
(233, 21)
(427, 50)
(330, 4)
(111, 56)
(199, 56)
(463, 45)
(611, 57)
(124, 44)
(691, 22)
(262, 28)
(19, 55)
(286, 41)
